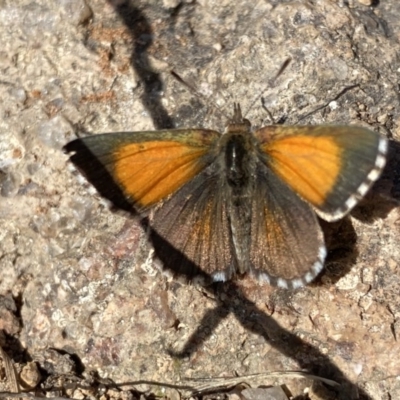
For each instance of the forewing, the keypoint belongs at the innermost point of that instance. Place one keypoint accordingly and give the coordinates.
(287, 247)
(331, 167)
(146, 167)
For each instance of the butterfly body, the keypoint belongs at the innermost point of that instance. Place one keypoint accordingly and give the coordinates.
(241, 201)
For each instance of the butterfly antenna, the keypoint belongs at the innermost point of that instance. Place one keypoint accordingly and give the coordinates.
(326, 104)
(201, 96)
(237, 114)
(270, 84)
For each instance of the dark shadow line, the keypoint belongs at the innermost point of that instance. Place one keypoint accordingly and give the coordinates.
(216, 315)
(286, 342)
(142, 39)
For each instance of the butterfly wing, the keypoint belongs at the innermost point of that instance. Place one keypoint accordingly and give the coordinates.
(142, 167)
(331, 167)
(195, 223)
(287, 247)
(172, 173)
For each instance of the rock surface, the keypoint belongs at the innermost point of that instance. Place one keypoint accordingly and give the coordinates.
(77, 277)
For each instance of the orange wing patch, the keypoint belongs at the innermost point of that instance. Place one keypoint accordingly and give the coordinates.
(310, 165)
(150, 171)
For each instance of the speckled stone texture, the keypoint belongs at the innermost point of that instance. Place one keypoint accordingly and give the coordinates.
(78, 277)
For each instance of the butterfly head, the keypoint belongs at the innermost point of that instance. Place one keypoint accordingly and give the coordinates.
(237, 124)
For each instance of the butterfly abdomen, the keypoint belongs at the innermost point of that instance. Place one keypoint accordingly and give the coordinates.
(239, 169)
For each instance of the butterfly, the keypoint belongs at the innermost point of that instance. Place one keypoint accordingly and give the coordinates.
(243, 201)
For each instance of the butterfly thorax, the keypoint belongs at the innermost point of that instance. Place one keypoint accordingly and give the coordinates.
(237, 145)
(237, 163)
